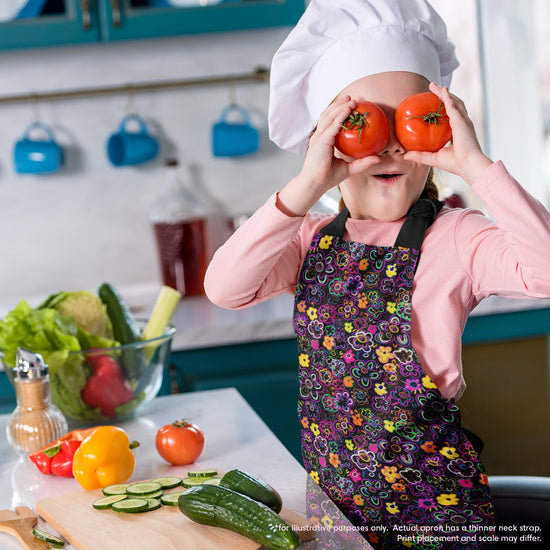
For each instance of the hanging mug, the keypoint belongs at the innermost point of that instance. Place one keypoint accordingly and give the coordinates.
(37, 156)
(126, 148)
(231, 139)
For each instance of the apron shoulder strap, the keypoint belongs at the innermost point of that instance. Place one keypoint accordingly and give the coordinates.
(337, 226)
(419, 217)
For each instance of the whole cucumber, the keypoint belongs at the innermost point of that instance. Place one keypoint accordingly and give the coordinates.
(249, 485)
(125, 330)
(222, 507)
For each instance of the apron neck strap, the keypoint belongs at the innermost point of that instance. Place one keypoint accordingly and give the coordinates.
(419, 217)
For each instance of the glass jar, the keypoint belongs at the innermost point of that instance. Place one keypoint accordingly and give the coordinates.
(35, 422)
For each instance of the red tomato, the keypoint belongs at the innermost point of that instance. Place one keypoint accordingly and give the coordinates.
(421, 123)
(365, 132)
(180, 442)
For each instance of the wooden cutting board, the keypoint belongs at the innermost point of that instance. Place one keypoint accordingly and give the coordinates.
(166, 528)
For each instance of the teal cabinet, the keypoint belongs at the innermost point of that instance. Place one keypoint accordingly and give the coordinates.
(80, 21)
(62, 22)
(156, 18)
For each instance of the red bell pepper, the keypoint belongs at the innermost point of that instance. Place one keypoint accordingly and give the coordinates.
(57, 457)
(107, 388)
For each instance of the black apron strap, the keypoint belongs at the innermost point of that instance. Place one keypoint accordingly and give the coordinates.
(337, 226)
(419, 217)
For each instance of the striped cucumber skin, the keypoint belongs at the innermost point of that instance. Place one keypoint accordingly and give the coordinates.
(251, 486)
(222, 507)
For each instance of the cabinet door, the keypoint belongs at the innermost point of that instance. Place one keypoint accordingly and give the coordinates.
(130, 19)
(54, 22)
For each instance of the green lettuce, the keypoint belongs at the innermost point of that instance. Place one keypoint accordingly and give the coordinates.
(58, 339)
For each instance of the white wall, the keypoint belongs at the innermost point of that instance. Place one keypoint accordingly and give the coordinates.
(89, 223)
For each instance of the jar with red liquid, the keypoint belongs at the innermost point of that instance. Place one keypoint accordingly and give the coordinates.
(180, 223)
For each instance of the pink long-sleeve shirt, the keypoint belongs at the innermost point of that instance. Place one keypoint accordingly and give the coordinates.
(465, 257)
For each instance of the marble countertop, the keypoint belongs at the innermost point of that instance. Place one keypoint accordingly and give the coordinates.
(201, 324)
(235, 435)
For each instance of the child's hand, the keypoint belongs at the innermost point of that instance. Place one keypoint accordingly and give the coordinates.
(463, 156)
(322, 170)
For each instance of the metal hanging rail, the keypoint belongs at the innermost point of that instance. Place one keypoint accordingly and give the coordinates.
(259, 75)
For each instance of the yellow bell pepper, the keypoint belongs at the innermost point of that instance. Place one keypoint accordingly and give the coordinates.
(104, 458)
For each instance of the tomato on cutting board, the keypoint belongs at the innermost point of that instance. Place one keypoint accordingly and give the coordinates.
(365, 132)
(180, 442)
(421, 123)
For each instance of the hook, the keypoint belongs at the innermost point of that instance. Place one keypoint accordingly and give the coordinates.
(232, 92)
(33, 98)
(130, 101)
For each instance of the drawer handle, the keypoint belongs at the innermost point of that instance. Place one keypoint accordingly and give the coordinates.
(86, 19)
(115, 12)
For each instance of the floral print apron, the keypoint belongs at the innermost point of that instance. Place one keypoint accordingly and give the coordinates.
(377, 435)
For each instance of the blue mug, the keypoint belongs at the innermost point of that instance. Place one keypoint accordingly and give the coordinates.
(126, 148)
(231, 139)
(34, 156)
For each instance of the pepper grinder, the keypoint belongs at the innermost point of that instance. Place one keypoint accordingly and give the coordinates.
(35, 422)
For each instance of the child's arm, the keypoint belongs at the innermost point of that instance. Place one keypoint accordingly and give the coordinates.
(260, 260)
(508, 257)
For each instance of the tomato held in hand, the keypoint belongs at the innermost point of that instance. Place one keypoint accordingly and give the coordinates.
(421, 123)
(180, 442)
(365, 132)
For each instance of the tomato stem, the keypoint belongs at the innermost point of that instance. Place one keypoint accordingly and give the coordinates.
(431, 118)
(180, 423)
(357, 121)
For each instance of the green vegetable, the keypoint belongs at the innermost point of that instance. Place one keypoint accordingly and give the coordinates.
(87, 309)
(104, 503)
(56, 542)
(133, 361)
(58, 339)
(247, 484)
(143, 489)
(118, 489)
(168, 482)
(131, 505)
(171, 499)
(164, 308)
(222, 507)
(203, 473)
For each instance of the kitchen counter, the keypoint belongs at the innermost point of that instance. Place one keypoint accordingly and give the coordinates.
(235, 438)
(200, 324)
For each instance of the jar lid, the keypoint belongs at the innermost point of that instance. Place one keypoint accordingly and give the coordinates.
(29, 365)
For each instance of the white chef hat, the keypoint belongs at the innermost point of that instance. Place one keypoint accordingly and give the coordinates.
(337, 42)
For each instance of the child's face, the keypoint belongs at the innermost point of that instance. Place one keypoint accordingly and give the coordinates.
(370, 195)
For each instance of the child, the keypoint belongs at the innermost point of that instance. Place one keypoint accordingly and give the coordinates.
(383, 290)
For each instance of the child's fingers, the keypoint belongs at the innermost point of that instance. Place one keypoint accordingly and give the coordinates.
(335, 113)
(422, 157)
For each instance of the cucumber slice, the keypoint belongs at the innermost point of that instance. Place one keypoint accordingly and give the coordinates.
(156, 494)
(168, 482)
(130, 505)
(152, 504)
(143, 489)
(56, 542)
(171, 499)
(119, 489)
(212, 481)
(203, 473)
(103, 503)
(193, 481)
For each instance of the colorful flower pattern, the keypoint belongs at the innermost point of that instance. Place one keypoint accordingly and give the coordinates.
(377, 435)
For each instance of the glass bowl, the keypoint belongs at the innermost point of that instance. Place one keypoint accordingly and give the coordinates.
(107, 385)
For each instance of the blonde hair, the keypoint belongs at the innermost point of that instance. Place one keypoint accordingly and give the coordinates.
(430, 190)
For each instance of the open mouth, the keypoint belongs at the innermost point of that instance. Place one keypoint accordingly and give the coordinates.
(388, 177)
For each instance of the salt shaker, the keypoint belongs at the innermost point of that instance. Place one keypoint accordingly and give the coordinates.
(35, 422)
